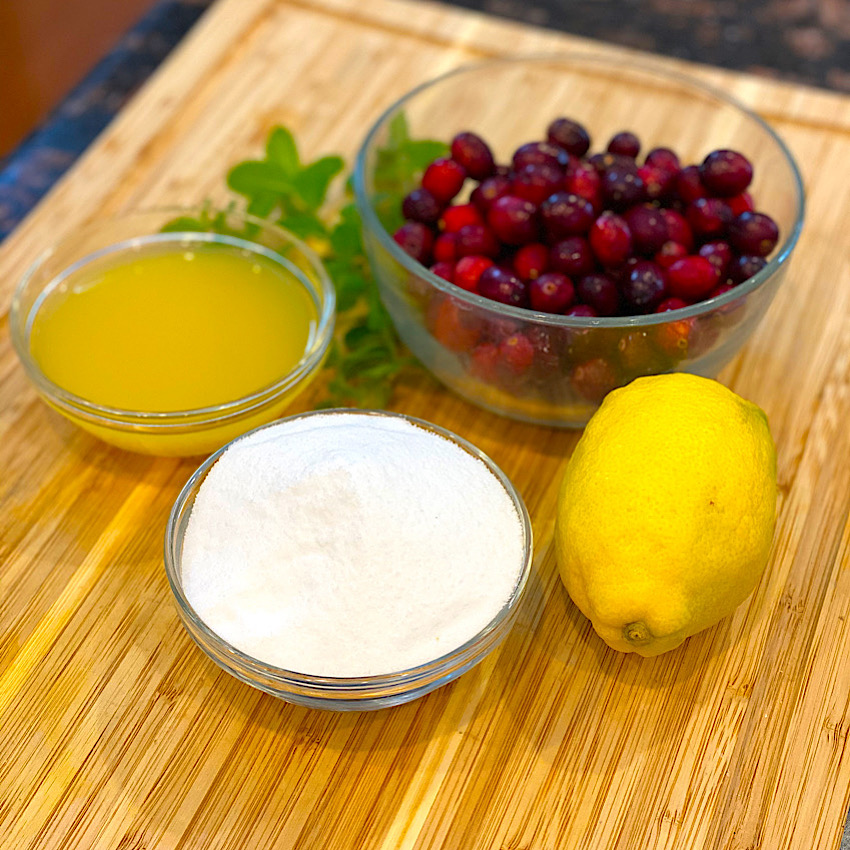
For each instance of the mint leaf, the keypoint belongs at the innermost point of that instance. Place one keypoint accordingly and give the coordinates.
(282, 150)
(311, 183)
(256, 177)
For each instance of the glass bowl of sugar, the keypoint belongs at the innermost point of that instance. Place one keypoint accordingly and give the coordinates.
(347, 559)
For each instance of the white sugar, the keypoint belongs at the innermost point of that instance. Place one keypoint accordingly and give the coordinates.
(350, 545)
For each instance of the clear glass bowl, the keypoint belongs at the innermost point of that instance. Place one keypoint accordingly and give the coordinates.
(343, 694)
(184, 432)
(510, 102)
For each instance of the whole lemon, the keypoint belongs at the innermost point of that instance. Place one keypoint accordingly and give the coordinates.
(666, 511)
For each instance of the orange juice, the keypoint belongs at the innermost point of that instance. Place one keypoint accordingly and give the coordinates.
(173, 324)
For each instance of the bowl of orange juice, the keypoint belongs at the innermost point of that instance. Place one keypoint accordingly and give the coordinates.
(172, 331)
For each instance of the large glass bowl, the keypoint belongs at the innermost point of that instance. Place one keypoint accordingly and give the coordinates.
(174, 432)
(344, 694)
(578, 359)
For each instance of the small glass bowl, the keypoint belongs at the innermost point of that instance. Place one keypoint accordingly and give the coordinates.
(342, 694)
(185, 432)
(455, 333)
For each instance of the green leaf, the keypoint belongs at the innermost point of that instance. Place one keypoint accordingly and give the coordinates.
(311, 183)
(262, 205)
(282, 150)
(424, 152)
(253, 178)
(398, 132)
(304, 225)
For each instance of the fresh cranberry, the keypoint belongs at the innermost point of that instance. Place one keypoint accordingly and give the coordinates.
(611, 239)
(665, 159)
(489, 191)
(741, 203)
(692, 277)
(552, 292)
(445, 248)
(573, 256)
(603, 161)
(469, 269)
(669, 252)
(583, 310)
(637, 354)
(421, 205)
(453, 325)
(678, 228)
(720, 289)
(600, 292)
(444, 270)
(444, 178)
(719, 254)
(672, 303)
(673, 338)
(415, 239)
(536, 182)
(594, 379)
(473, 154)
(645, 287)
(708, 217)
(564, 214)
(484, 361)
(649, 229)
(754, 233)
(548, 344)
(625, 143)
(517, 353)
(658, 184)
(582, 179)
(726, 172)
(745, 266)
(569, 135)
(513, 220)
(622, 186)
(539, 153)
(502, 286)
(459, 215)
(531, 260)
(477, 239)
(689, 185)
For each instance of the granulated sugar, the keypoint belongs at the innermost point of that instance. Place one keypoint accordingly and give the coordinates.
(350, 545)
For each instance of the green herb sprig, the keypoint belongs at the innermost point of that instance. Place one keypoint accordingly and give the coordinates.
(366, 356)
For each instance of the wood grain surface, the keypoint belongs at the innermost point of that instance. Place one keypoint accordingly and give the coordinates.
(116, 732)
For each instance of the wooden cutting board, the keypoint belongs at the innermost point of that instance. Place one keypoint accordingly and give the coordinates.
(116, 732)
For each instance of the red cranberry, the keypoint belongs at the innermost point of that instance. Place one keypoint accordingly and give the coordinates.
(582, 179)
(720, 289)
(531, 261)
(421, 205)
(453, 325)
(584, 310)
(536, 182)
(658, 184)
(754, 233)
(517, 353)
(513, 220)
(594, 379)
(476, 239)
(689, 185)
(692, 277)
(564, 214)
(649, 229)
(624, 143)
(719, 254)
(445, 248)
(502, 286)
(611, 239)
(745, 266)
(539, 153)
(443, 178)
(669, 252)
(551, 293)
(469, 269)
(678, 228)
(573, 256)
(637, 353)
(569, 135)
(645, 287)
(415, 239)
(741, 203)
(622, 186)
(672, 303)
(603, 161)
(484, 361)
(460, 215)
(489, 191)
(708, 217)
(665, 159)
(473, 153)
(600, 292)
(726, 172)
(444, 270)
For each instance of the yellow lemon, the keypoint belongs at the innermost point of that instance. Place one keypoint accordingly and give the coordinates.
(666, 511)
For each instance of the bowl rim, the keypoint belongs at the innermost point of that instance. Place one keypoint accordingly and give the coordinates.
(350, 687)
(209, 415)
(644, 66)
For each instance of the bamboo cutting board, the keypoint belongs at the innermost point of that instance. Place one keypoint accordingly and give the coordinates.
(116, 732)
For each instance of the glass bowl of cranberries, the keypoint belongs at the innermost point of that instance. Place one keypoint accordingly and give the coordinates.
(546, 229)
